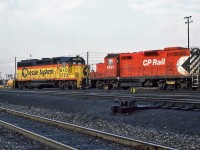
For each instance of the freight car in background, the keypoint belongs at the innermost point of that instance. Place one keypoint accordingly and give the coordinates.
(58, 72)
(170, 68)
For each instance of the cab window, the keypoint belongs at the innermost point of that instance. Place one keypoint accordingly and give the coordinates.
(64, 64)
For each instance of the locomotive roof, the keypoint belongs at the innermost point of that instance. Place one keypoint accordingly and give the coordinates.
(61, 59)
(48, 61)
(111, 55)
(68, 59)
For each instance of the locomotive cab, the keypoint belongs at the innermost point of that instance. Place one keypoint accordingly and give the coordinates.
(72, 73)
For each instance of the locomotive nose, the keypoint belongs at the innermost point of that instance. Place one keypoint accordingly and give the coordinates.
(86, 71)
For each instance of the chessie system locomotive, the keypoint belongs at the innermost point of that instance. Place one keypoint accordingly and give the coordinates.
(173, 67)
(60, 72)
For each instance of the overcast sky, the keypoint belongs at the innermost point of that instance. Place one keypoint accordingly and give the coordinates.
(51, 28)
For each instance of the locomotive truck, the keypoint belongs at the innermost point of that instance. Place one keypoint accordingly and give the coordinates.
(59, 72)
(170, 68)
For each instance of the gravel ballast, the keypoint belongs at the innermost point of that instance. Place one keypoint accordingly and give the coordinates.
(172, 128)
(12, 141)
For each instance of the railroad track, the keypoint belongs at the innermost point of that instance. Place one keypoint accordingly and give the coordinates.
(108, 94)
(173, 101)
(50, 133)
(138, 90)
(187, 101)
(112, 92)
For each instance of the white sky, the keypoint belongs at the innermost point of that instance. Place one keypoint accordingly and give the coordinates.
(51, 28)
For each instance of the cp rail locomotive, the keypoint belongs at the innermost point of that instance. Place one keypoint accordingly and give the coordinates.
(170, 68)
(60, 72)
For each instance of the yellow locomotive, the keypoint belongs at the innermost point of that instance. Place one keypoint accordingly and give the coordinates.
(57, 72)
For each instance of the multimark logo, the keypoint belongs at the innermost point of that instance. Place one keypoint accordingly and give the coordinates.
(86, 71)
(154, 62)
(26, 72)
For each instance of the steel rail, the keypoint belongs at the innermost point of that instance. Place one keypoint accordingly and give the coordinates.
(95, 133)
(36, 137)
(162, 99)
(138, 98)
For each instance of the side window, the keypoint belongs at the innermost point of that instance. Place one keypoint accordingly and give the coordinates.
(70, 68)
(126, 57)
(129, 57)
(57, 64)
(64, 64)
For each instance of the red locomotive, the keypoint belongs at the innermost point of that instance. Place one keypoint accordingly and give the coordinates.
(173, 67)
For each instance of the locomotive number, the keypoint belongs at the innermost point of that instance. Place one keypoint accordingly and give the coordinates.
(63, 75)
(110, 67)
(64, 70)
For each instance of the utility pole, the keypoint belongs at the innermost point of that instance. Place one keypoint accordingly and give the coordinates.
(87, 57)
(188, 22)
(87, 79)
(15, 67)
